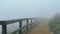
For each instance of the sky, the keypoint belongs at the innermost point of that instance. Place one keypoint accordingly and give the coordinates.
(13, 9)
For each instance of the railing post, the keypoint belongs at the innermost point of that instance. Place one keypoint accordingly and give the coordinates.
(4, 28)
(34, 22)
(27, 24)
(20, 25)
(31, 23)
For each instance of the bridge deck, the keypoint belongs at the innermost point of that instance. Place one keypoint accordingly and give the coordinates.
(40, 29)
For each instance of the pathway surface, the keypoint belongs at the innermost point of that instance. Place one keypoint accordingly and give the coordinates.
(40, 29)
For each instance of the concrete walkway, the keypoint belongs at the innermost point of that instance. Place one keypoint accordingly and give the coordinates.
(40, 29)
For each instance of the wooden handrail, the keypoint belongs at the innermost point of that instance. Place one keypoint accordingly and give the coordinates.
(6, 22)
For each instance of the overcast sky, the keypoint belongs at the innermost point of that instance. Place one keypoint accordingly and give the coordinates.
(12, 9)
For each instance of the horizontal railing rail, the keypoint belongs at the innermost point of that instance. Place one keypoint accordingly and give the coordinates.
(20, 30)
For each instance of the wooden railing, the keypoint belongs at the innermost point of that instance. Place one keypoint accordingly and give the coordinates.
(21, 30)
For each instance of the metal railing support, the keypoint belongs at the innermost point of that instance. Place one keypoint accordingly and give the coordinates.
(4, 28)
(20, 25)
(31, 23)
(27, 24)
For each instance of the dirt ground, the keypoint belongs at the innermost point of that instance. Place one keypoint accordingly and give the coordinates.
(41, 29)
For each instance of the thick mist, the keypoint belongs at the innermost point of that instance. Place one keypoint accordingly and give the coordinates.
(17, 9)
(13, 9)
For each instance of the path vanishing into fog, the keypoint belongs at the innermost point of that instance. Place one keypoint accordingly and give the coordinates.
(41, 29)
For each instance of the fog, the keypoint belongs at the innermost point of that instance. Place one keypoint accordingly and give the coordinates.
(13, 9)
(16, 9)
